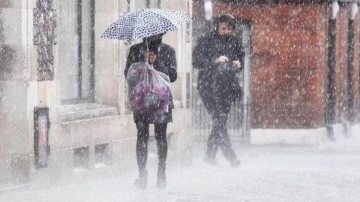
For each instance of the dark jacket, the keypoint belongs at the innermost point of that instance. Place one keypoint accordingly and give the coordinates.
(217, 80)
(165, 63)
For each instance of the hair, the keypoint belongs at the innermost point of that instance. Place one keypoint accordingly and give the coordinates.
(227, 18)
(153, 46)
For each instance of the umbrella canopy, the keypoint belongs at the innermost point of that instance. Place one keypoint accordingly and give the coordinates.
(145, 23)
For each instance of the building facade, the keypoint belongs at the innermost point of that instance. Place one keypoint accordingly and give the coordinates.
(304, 65)
(63, 103)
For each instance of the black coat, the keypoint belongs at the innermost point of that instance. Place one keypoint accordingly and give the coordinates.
(218, 81)
(165, 63)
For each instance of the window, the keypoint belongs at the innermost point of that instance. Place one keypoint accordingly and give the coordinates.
(76, 50)
(102, 155)
(81, 159)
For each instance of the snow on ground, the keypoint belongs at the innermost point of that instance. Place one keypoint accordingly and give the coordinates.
(328, 172)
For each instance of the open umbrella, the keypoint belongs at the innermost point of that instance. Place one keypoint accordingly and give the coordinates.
(145, 23)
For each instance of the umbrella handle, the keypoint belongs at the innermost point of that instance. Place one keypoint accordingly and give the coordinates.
(147, 49)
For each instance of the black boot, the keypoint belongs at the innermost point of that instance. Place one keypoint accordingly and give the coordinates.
(233, 160)
(210, 156)
(235, 163)
(230, 156)
(210, 160)
(161, 179)
(141, 182)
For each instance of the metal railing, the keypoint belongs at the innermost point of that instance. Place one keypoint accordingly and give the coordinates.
(202, 123)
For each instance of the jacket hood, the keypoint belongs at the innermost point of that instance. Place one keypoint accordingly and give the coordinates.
(215, 34)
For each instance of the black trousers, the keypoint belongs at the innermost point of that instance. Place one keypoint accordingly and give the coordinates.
(218, 109)
(142, 145)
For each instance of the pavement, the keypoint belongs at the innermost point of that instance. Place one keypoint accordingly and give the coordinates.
(326, 172)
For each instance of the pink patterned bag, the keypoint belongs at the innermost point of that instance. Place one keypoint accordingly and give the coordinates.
(149, 89)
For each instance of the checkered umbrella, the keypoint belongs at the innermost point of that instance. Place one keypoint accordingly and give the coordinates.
(145, 23)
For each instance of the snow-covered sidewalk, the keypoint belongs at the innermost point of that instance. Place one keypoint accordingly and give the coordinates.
(328, 172)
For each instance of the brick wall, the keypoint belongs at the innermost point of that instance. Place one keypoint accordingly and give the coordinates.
(341, 67)
(341, 56)
(289, 63)
(356, 63)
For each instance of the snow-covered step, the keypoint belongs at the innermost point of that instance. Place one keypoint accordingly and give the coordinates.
(86, 111)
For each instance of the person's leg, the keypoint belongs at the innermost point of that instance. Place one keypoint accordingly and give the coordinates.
(212, 142)
(162, 148)
(223, 140)
(212, 147)
(142, 152)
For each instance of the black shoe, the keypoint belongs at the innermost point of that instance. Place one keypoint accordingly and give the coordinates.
(161, 178)
(161, 182)
(210, 160)
(331, 138)
(235, 163)
(141, 182)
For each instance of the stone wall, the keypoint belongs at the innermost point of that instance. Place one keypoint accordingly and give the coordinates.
(15, 114)
(11, 54)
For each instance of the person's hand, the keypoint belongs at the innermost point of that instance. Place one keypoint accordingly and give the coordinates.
(221, 59)
(236, 63)
(150, 57)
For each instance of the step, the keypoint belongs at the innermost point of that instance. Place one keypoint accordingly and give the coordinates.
(81, 111)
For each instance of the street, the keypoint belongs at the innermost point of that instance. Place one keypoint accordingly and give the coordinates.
(326, 172)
